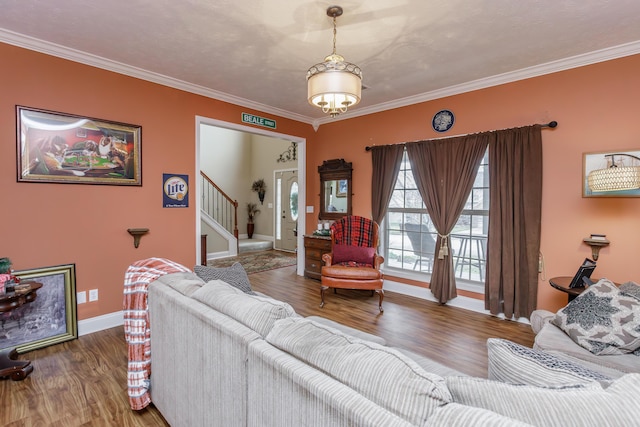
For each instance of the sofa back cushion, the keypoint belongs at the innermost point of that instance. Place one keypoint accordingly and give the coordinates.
(381, 374)
(184, 282)
(256, 312)
(578, 405)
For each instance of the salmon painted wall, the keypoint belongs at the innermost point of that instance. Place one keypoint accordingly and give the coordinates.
(51, 224)
(597, 109)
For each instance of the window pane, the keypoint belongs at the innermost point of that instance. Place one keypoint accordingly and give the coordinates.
(397, 199)
(412, 199)
(410, 235)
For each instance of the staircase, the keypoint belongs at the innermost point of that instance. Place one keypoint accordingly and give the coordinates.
(220, 211)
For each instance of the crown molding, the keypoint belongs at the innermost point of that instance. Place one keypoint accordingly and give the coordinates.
(53, 49)
(81, 57)
(577, 61)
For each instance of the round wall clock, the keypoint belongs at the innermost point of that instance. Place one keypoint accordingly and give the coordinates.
(443, 121)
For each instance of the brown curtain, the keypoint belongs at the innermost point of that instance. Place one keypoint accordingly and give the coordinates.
(515, 176)
(444, 171)
(386, 161)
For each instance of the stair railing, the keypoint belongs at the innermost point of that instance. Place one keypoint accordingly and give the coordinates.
(219, 206)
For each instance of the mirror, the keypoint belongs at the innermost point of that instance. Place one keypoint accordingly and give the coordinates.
(335, 189)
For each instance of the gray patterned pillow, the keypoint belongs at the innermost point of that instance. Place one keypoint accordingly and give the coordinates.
(602, 320)
(234, 275)
(630, 289)
(516, 364)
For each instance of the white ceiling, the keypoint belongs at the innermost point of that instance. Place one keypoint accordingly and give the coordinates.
(256, 53)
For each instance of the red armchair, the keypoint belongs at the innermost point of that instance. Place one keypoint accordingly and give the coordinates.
(353, 262)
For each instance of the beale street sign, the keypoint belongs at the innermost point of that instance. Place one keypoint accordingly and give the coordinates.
(257, 120)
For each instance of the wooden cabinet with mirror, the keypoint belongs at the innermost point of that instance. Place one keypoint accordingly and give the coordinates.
(335, 189)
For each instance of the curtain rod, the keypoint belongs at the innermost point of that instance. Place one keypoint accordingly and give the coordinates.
(551, 125)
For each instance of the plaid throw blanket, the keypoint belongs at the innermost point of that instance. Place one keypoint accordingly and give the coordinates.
(353, 230)
(136, 324)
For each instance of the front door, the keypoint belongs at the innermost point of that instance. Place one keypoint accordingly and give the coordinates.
(287, 208)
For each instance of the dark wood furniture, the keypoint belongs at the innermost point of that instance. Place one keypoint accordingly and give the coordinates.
(335, 189)
(24, 293)
(562, 284)
(314, 248)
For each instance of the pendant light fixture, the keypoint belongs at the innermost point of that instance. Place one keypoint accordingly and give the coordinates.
(334, 85)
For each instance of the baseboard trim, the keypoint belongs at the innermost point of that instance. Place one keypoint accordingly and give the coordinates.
(99, 323)
(463, 302)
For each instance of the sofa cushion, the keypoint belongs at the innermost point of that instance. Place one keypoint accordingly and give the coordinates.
(348, 272)
(257, 313)
(234, 275)
(381, 374)
(348, 330)
(516, 364)
(602, 320)
(185, 282)
(552, 339)
(429, 365)
(456, 415)
(579, 405)
(539, 318)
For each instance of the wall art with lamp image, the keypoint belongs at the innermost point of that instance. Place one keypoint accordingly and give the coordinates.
(611, 174)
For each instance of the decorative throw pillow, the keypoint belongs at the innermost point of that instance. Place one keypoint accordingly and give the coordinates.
(234, 275)
(356, 254)
(602, 319)
(630, 289)
(516, 364)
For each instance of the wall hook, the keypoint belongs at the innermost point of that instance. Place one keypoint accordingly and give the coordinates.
(137, 233)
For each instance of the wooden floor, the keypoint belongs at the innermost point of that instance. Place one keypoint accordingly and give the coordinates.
(83, 382)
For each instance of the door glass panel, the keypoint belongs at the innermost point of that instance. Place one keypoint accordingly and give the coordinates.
(278, 208)
(293, 201)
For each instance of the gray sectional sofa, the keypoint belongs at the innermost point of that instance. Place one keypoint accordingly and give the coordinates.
(223, 357)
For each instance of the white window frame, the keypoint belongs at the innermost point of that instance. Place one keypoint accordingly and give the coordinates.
(470, 266)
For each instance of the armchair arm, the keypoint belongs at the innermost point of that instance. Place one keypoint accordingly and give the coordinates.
(328, 259)
(377, 260)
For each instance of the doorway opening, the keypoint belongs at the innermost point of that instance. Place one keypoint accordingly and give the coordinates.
(272, 205)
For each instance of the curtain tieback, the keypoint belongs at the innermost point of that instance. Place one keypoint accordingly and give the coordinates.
(444, 246)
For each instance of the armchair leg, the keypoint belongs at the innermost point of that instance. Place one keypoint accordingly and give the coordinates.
(381, 293)
(322, 289)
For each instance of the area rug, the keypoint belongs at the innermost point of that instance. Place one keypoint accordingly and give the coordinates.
(254, 262)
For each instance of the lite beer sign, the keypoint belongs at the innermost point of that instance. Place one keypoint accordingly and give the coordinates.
(257, 120)
(175, 191)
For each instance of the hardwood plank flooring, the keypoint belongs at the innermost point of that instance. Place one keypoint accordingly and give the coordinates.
(83, 382)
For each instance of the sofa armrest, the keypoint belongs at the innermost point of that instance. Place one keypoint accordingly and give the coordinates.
(539, 318)
(377, 260)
